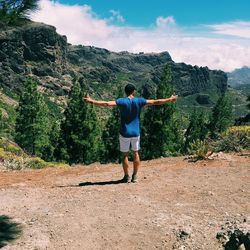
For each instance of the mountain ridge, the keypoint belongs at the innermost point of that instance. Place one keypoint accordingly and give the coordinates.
(37, 50)
(239, 76)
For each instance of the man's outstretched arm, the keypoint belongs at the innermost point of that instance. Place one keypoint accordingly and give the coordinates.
(100, 103)
(173, 98)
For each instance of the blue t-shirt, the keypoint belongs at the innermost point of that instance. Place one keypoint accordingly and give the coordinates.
(130, 110)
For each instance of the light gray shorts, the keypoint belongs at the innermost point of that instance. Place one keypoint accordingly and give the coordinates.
(125, 143)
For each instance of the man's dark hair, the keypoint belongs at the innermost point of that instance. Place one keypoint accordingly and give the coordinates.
(129, 89)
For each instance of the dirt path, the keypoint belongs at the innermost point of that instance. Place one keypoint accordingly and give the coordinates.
(176, 205)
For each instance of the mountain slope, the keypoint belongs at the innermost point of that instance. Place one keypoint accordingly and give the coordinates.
(239, 77)
(37, 50)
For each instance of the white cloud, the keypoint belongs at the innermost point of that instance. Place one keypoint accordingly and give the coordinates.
(116, 16)
(164, 22)
(213, 47)
(239, 29)
(214, 53)
(78, 23)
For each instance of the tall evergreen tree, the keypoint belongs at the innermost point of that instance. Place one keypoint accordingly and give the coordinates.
(244, 120)
(221, 117)
(80, 130)
(32, 122)
(16, 11)
(197, 129)
(110, 133)
(54, 136)
(160, 132)
(248, 100)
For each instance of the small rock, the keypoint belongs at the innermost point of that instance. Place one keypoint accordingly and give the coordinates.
(220, 235)
(182, 247)
(183, 234)
(242, 247)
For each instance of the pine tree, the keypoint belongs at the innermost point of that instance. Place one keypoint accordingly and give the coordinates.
(32, 122)
(197, 129)
(221, 117)
(244, 120)
(160, 132)
(54, 136)
(80, 130)
(14, 12)
(110, 134)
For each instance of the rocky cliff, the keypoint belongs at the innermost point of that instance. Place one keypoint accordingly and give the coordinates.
(239, 77)
(37, 50)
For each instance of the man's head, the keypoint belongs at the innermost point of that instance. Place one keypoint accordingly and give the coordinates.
(129, 89)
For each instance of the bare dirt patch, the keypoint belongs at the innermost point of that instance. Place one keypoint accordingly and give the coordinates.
(176, 205)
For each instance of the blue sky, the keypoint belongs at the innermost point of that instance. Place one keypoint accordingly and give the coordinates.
(198, 32)
(187, 12)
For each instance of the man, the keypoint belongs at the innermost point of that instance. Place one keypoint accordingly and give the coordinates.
(130, 109)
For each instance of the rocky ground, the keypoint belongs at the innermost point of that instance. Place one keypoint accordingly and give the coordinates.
(177, 204)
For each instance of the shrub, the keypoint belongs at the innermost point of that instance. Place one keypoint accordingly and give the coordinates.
(235, 139)
(12, 157)
(57, 165)
(14, 149)
(198, 149)
(11, 147)
(14, 164)
(227, 143)
(4, 154)
(36, 163)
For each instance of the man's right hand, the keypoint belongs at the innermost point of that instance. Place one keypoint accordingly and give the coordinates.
(174, 98)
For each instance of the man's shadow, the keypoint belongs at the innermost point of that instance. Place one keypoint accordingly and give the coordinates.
(9, 230)
(100, 183)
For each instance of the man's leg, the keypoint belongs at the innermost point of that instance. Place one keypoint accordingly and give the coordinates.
(136, 166)
(136, 147)
(124, 148)
(126, 178)
(125, 163)
(136, 162)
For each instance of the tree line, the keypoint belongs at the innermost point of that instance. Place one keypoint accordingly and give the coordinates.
(80, 137)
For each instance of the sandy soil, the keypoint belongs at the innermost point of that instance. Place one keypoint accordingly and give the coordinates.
(176, 205)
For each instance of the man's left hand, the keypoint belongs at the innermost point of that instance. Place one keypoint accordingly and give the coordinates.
(87, 99)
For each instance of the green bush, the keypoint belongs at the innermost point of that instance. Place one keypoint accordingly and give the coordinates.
(11, 147)
(14, 149)
(12, 157)
(198, 149)
(36, 163)
(235, 139)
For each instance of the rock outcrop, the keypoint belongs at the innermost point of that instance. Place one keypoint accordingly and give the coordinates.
(33, 49)
(37, 50)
